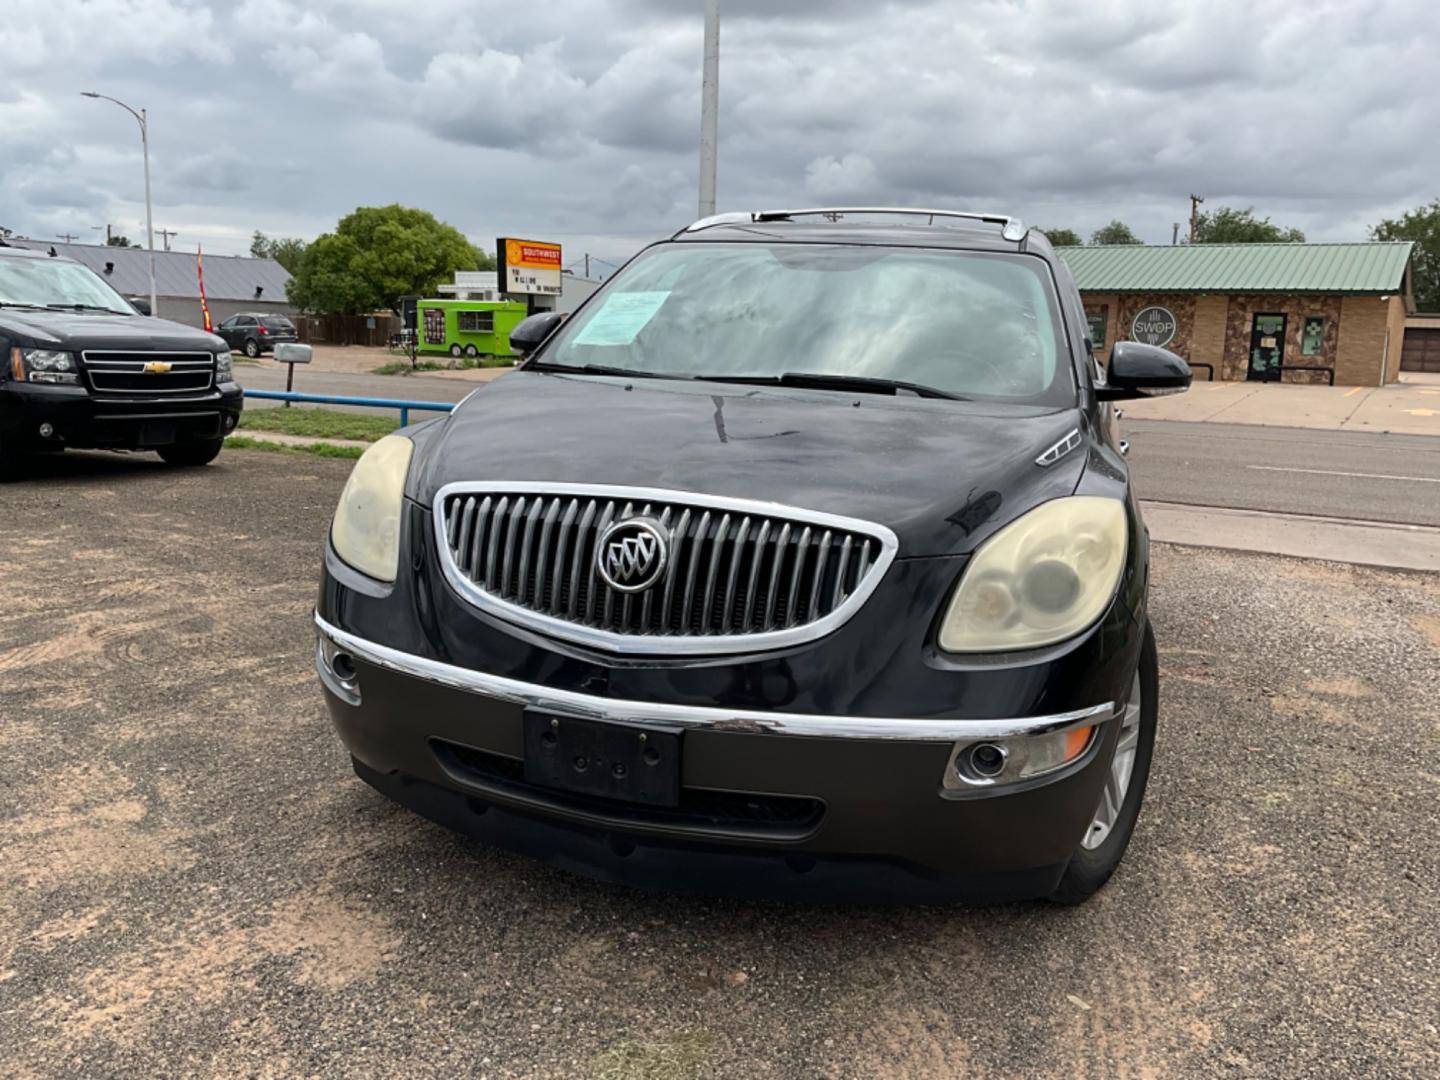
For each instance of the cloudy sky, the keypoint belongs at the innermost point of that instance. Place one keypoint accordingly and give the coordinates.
(577, 120)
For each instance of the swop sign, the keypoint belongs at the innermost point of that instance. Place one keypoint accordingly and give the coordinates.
(528, 266)
(1154, 326)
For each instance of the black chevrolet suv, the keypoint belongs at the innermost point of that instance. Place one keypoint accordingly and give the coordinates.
(82, 368)
(802, 559)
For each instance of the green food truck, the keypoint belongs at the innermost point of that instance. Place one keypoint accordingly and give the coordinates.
(466, 327)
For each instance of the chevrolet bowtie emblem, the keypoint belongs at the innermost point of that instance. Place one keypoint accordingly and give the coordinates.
(156, 367)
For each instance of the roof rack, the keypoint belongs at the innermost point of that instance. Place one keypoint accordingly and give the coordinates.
(1011, 228)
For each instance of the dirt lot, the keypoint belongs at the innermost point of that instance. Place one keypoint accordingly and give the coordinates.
(193, 883)
(363, 359)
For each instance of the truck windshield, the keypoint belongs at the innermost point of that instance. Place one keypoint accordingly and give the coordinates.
(52, 283)
(965, 324)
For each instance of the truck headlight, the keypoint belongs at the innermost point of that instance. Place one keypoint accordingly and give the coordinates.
(224, 367)
(1041, 579)
(366, 529)
(43, 366)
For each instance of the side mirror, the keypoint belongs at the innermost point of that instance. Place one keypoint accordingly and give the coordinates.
(532, 332)
(140, 304)
(1137, 370)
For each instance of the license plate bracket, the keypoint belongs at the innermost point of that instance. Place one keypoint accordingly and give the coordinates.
(636, 763)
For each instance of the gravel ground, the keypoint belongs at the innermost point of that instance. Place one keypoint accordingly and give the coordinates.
(194, 883)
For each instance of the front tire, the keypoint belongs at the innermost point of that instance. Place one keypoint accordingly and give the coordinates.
(252, 348)
(1109, 832)
(191, 455)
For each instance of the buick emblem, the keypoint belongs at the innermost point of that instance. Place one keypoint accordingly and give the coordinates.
(632, 554)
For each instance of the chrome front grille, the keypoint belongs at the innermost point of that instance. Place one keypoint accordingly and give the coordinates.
(142, 373)
(740, 575)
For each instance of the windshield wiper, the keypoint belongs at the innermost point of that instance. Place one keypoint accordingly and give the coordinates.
(86, 307)
(602, 369)
(20, 304)
(822, 381)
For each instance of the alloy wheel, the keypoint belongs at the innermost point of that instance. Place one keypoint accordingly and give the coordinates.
(1122, 767)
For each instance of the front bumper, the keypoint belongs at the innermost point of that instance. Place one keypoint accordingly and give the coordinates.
(120, 422)
(812, 805)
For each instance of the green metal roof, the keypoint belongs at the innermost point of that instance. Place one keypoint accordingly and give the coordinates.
(1240, 268)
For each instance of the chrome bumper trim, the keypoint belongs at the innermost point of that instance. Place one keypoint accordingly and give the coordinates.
(693, 717)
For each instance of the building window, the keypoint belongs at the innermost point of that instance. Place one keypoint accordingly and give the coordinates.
(1096, 321)
(476, 322)
(1313, 339)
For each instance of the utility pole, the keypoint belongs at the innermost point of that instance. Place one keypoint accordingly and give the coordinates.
(710, 108)
(1175, 234)
(165, 235)
(1195, 201)
(587, 266)
(143, 121)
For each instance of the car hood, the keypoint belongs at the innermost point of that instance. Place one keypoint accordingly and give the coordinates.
(76, 331)
(943, 475)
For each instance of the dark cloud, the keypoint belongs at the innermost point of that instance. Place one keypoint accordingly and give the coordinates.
(578, 118)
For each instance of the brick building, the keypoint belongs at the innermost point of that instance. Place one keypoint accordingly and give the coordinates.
(1268, 312)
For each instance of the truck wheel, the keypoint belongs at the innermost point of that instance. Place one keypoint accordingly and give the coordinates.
(456, 351)
(192, 454)
(13, 465)
(1109, 833)
(252, 348)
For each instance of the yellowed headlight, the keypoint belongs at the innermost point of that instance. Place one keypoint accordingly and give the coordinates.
(366, 530)
(1043, 578)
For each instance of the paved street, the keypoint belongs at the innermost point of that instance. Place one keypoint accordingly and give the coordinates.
(195, 884)
(1288, 470)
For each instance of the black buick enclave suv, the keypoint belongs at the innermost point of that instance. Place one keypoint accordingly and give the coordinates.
(81, 368)
(801, 560)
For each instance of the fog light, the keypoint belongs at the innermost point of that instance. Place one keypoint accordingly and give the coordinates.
(995, 763)
(47, 430)
(229, 422)
(987, 759)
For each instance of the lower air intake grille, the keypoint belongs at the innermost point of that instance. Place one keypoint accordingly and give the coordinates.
(776, 816)
(729, 575)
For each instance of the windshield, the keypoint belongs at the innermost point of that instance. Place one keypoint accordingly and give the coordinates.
(966, 324)
(54, 283)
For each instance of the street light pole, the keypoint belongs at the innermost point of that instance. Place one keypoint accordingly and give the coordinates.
(710, 108)
(141, 119)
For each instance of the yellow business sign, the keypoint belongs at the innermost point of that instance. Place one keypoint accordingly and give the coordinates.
(529, 267)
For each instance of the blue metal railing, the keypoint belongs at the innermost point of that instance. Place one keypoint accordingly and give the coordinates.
(364, 402)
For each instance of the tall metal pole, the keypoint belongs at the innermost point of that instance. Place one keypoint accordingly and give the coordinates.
(149, 213)
(144, 123)
(710, 108)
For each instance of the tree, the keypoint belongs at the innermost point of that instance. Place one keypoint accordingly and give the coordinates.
(1226, 225)
(1422, 225)
(1063, 237)
(287, 251)
(375, 256)
(116, 240)
(485, 261)
(1117, 232)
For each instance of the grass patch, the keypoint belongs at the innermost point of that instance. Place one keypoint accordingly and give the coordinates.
(403, 367)
(327, 450)
(319, 423)
(468, 363)
(680, 1058)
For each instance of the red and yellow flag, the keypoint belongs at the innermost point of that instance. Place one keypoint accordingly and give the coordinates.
(200, 275)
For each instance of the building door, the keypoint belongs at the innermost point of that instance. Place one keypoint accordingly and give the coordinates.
(1267, 348)
(1421, 350)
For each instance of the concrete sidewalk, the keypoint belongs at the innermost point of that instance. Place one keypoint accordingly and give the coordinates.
(1411, 407)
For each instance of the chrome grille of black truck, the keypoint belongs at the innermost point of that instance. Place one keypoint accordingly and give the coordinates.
(739, 575)
(144, 373)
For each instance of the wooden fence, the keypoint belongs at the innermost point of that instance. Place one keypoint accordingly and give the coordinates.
(347, 329)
